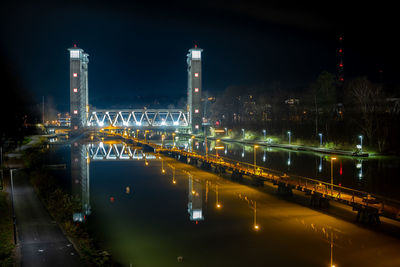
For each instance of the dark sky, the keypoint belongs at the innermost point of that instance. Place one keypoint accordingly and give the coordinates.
(140, 49)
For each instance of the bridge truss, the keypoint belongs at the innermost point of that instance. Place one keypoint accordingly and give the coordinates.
(152, 118)
(116, 151)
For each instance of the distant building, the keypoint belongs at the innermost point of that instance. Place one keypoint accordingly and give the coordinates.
(79, 91)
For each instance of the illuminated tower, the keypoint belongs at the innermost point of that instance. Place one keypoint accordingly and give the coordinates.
(79, 91)
(194, 89)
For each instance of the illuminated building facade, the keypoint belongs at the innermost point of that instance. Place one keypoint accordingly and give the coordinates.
(194, 89)
(79, 91)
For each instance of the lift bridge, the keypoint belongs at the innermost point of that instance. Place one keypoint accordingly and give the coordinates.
(144, 118)
(188, 119)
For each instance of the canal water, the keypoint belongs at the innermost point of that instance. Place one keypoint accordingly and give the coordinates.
(151, 211)
(376, 175)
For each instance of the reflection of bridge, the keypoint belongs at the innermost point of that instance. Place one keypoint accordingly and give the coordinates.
(139, 117)
(115, 151)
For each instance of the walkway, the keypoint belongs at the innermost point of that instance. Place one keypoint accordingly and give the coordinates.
(40, 239)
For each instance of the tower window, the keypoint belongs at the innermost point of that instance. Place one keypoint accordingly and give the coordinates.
(196, 90)
(75, 74)
(75, 90)
(196, 111)
(196, 74)
(75, 111)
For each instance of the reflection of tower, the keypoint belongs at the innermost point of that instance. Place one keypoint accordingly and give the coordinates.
(194, 88)
(79, 98)
(195, 200)
(80, 180)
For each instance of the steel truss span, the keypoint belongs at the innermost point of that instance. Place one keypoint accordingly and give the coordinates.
(112, 151)
(139, 118)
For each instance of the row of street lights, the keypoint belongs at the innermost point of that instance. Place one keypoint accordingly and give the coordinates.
(289, 133)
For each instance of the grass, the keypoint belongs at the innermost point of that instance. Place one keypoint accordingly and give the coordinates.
(6, 232)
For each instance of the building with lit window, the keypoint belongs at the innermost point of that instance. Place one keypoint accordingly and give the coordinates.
(79, 91)
(194, 89)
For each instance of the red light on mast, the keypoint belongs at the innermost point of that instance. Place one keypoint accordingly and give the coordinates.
(340, 50)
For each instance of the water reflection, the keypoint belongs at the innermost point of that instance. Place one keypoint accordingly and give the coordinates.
(80, 180)
(195, 199)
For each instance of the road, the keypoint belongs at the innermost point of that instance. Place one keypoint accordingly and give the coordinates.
(40, 239)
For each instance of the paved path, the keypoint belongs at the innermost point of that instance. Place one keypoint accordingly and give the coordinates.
(40, 239)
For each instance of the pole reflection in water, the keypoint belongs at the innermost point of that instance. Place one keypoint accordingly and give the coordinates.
(265, 156)
(289, 161)
(195, 199)
(243, 152)
(320, 164)
(359, 166)
(80, 178)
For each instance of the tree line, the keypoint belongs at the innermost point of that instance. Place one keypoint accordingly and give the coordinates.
(340, 112)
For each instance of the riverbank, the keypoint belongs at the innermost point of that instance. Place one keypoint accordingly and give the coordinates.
(294, 147)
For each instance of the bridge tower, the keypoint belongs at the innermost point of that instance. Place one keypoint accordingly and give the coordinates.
(194, 107)
(79, 91)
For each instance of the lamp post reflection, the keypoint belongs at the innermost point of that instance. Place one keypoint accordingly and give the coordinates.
(359, 166)
(320, 164)
(256, 226)
(217, 203)
(332, 159)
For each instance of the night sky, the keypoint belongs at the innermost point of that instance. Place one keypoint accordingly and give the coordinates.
(140, 49)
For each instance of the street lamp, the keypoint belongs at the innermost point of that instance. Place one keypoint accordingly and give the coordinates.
(361, 142)
(12, 205)
(289, 134)
(255, 158)
(162, 140)
(332, 159)
(173, 138)
(243, 133)
(320, 139)
(226, 131)
(265, 133)
(145, 136)
(192, 138)
(137, 134)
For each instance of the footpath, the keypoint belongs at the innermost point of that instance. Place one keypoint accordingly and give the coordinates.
(40, 241)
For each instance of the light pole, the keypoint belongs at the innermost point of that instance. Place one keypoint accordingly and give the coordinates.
(320, 139)
(243, 133)
(361, 141)
(162, 140)
(145, 136)
(255, 158)
(265, 134)
(192, 142)
(137, 134)
(12, 205)
(289, 134)
(173, 138)
(226, 131)
(332, 159)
